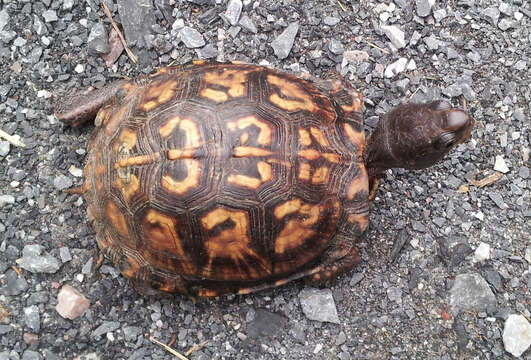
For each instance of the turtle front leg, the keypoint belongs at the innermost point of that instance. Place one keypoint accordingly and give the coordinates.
(77, 107)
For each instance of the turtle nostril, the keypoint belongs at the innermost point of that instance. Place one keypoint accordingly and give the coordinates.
(456, 119)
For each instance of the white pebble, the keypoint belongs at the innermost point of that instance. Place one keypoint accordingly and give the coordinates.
(79, 68)
(500, 165)
(482, 252)
(77, 172)
(317, 348)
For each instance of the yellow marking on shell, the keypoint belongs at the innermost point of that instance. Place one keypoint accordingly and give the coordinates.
(191, 181)
(249, 151)
(361, 219)
(128, 138)
(175, 154)
(319, 136)
(265, 171)
(137, 160)
(243, 138)
(358, 184)
(132, 269)
(233, 80)
(304, 137)
(158, 93)
(356, 137)
(292, 97)
(128, 188)
(334, 158)
(298, 229)
(190, 128)
(207, 293)
(289, 207)
(214, 95)
(100, 169)
(193, 135)
(160, 233)
(264, 136)
(356, 104)
(310, 154)
(233, 243)
(168, 127)
(117, 219)
(320, 176)
(304, 171)
(284, 163)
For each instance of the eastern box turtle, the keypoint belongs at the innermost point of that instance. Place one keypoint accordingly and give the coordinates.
(213, 178)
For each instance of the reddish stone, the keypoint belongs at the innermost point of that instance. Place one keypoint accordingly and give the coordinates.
(71, 303)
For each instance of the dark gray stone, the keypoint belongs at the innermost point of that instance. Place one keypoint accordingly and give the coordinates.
(319, 305)
(471, 292)
(32, 318)
(207, 52)
(284, 42)
(233, 12)
(138, 18)
(49, 16)
(423, 7)
(335, 47)
(248, 24)
(191, 37)
(105, 327)
(98, 40)
(62, 182)
(265, 324)
(4, 19)
(36, 260)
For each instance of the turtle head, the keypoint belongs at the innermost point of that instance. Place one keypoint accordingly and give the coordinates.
(416, 136)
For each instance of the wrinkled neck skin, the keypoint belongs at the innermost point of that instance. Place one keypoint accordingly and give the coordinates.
(377, 155)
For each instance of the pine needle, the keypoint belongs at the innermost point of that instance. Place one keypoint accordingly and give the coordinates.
(169, 349)
(120, 35)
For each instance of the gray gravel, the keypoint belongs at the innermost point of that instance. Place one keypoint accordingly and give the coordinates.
(445, 266)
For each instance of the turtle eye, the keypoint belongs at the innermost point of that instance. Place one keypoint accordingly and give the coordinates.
(445, 141)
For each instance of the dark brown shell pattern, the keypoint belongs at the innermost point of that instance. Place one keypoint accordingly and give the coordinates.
(209, 178)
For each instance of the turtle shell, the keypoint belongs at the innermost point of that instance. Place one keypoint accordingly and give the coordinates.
(211, 178)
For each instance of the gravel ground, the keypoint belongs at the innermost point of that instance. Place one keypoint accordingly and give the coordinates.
(445, 264)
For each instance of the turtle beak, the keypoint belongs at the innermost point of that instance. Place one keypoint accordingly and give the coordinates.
(458, 123)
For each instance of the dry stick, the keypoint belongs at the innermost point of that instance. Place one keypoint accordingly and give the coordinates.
(169, 349)
(127, 50)
(11, 139)
(196, 347)
(379, 48)
(341, 6)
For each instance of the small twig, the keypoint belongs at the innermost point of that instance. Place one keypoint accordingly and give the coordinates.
(463, 102)
(487, 180)
(413, 94)
(196, 347)
(17, 270)
(379, 48)
(120, 35)
(341, 5)
(14, 141)
(169, 349)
